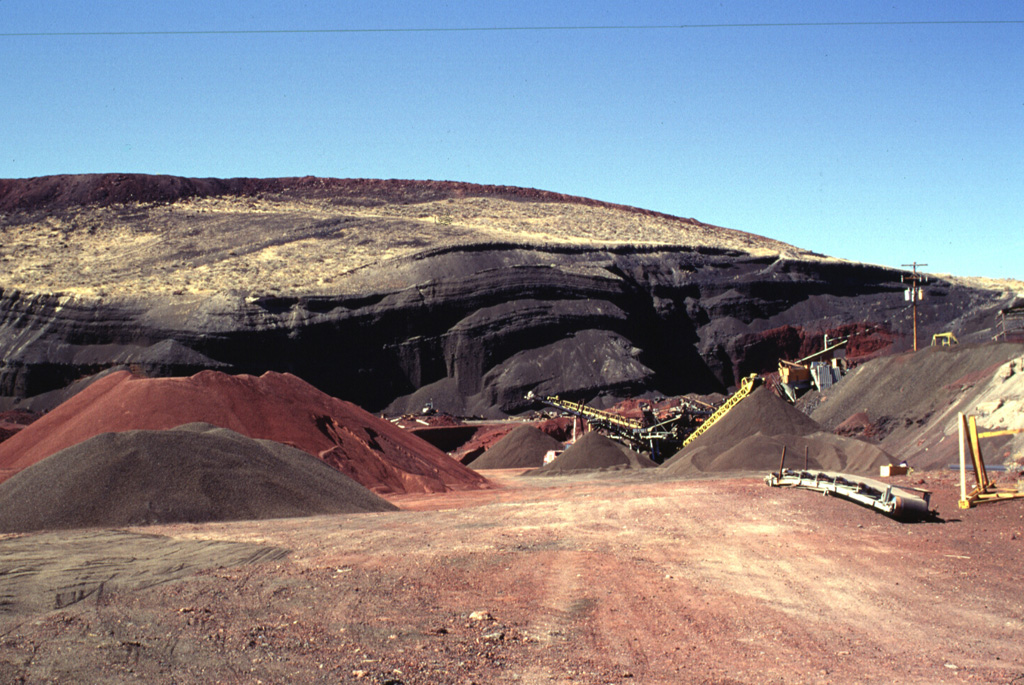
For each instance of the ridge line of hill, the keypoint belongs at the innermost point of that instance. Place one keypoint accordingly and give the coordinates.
(61, 191)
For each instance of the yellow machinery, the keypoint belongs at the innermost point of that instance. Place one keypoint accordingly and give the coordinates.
(595, 415)
(663, 437)
(747, 386)
(984, 491)
(794, 372)
(944, 340)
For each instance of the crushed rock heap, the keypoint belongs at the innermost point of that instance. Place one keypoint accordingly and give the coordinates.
(594, 452)
(908, 403)
(274, 406)
(751, 437)
(524, 447)
(193, 473)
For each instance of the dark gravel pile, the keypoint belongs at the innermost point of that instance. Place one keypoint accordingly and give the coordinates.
(524, 447)
(192, 473)
(751, 437)
(594, 452)
(759, 453)
(910, 385)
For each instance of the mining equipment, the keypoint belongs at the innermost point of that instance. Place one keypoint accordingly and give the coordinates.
(747, 386)
(897, 502)
(818, 371)
(944, 340)
(984, 491)
(661, 437)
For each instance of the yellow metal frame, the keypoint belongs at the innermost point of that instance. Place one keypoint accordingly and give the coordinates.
(746, 385)
(592, 413)
(984, 491)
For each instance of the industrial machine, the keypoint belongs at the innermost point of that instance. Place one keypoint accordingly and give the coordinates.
(984, 491)
(661, 437)
(747, 386)
(900, 503)
(818, 371)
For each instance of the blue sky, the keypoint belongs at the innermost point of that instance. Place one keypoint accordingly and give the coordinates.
(879, 142)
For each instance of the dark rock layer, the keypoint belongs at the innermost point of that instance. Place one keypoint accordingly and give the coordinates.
(474, 328)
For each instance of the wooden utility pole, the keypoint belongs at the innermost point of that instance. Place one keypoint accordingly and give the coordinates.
(914, 292)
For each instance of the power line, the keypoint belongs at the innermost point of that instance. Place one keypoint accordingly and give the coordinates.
(914, 293)
(481, 29)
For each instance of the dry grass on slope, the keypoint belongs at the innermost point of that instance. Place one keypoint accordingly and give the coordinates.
(201, 246)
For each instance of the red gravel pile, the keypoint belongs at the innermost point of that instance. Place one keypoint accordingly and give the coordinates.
(274, 406)
(858, 425)
(192, 473)
(594, 452)
(524, 447)
(752, 435)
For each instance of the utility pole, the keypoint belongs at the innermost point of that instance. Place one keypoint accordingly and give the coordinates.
(913, 293)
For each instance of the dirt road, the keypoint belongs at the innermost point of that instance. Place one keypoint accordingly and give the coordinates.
(619, 579)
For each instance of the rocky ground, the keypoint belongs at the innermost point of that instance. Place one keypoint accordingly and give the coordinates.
(612, 579)
(398, 293)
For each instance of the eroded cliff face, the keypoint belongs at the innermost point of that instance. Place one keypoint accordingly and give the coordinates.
(474, 339)
(471, 325)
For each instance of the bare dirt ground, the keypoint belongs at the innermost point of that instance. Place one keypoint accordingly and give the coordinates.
(611, 579)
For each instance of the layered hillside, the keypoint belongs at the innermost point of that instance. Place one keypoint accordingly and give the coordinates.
(391, 294)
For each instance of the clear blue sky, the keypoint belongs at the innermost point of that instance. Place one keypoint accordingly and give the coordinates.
(878, 143)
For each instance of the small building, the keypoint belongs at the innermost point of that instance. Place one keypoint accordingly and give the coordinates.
(1010, 324)
(819, 370)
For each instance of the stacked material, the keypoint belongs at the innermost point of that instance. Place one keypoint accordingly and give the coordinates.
(524, 447)
(594, 452)
(908, 403)
(560, 428)
(192, 473)
(750, 438)
(274, 406)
